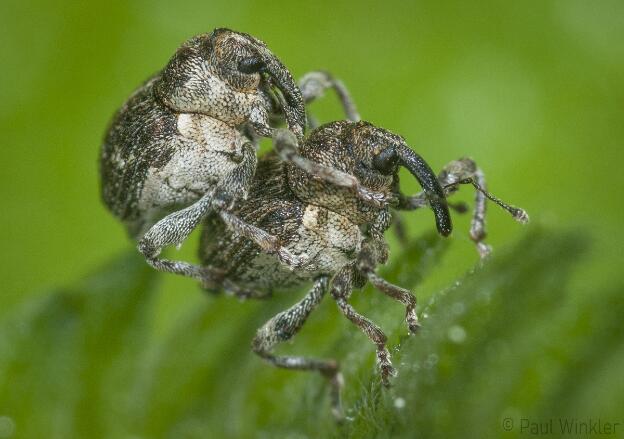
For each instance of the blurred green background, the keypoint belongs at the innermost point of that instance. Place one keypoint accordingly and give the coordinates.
(532, 90)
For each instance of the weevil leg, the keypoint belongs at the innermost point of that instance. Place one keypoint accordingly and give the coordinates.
(313, 86)
(175, 227)
(267, 242)
(401, 295)
(342, 286)
(466, 171)
(284, 326)
(285, 143)
(367, 261)
(210, 279)
(182, 268)
(374, 252)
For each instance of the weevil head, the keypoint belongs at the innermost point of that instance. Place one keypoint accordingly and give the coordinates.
(237, 61)
(374, 156)
(240, 57)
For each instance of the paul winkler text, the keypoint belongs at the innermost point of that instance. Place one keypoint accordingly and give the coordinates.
(571, 426)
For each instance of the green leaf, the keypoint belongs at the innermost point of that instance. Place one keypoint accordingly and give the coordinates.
(68, 359)
(509, 340)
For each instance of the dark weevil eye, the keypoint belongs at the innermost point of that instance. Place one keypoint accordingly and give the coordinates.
(386, 161)
(251, 65)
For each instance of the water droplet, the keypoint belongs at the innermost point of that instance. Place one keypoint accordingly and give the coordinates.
(456, 334)
(485, 296)
(431, 361)
(7, 427)
(399, 403)
(458, 308)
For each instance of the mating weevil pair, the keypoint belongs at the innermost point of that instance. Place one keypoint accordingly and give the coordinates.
(182, 151)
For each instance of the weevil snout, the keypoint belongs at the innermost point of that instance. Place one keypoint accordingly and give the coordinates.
(391, 151)
(427, 179)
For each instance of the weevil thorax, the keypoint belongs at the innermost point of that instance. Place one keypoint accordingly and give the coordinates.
(225, 51)
(350, 147)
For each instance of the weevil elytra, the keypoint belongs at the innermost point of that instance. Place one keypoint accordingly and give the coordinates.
(337, 237)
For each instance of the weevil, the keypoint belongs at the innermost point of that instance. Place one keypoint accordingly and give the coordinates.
(338, 237)
(184, 143)
(461, 171)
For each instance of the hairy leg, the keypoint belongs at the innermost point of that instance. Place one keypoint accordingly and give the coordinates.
(175, 227)
(283, 327)
(341, 292)
(267, 242)
(400, 294)
(367, 262)
(313, 86)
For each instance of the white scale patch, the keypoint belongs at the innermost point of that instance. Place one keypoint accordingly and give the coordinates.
(310, 217)
(185, 122)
